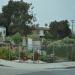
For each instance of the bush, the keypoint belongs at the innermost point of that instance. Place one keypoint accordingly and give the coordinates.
(63, 48)
(36, 56)
(7, 54)
(4, 53)
(43, 58)
(17, 38)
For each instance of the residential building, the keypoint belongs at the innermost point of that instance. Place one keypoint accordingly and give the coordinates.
(40, 31)
(2, 33)
(37, 44)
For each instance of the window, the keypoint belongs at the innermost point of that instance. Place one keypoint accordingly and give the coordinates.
(4, 32)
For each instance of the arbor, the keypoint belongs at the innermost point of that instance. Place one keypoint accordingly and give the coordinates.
(16, 17)
(60, 29)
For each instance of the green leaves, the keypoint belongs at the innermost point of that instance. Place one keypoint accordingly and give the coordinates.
(60, 29)
(62, 48)
(17, 13)
(17, 38)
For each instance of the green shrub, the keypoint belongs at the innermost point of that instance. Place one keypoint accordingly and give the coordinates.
(4, 53)
(7, 54)
(43, 58)
(17, 38)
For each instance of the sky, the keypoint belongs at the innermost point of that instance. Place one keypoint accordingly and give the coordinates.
(50, 10)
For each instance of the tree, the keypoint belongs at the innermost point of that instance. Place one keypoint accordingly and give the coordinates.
(17, 38)
(3, 20)
(16, 17)
(60, 29)
(48, 35)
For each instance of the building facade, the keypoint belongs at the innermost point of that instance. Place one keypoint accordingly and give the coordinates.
(2, 33)
(37, 44)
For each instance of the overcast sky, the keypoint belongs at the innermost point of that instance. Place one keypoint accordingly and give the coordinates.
(50, 10)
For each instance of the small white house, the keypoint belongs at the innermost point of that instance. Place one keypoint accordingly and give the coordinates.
(37, 44)
(2, 33)
(40, 31)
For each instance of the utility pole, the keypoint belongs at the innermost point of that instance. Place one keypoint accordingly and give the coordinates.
(72, 21)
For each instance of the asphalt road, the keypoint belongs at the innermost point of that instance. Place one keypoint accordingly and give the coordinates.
(54, 72)
(12, 71)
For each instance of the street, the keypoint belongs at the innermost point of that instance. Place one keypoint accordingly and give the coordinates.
(12, 71)
(54, 72)
(16, 68)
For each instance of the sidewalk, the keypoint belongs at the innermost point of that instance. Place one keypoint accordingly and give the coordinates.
(32, 66)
